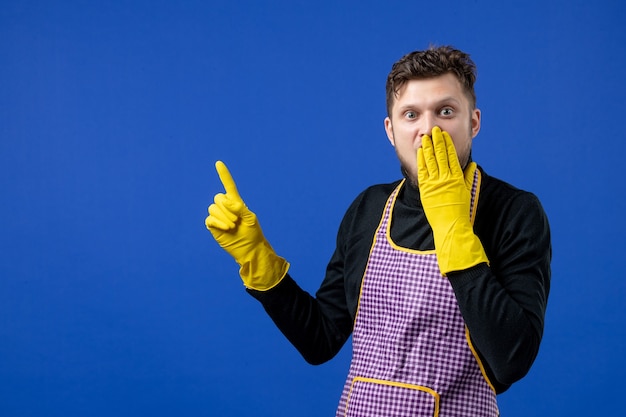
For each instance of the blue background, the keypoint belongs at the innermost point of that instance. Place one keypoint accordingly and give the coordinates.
(114, 298)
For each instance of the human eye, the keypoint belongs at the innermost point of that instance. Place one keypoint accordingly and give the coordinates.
(446, 112)
(410, 115)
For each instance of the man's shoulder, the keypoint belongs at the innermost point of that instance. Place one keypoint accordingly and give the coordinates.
(499, 187)
(499, 195)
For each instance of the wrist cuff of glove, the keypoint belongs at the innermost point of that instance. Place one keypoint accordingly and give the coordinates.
(263, 271)
(460, 253)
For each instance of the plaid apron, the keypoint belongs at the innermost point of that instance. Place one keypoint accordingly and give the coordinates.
(411, 351)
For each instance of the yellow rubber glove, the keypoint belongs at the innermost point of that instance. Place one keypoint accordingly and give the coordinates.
(445, 192)
(237, 230)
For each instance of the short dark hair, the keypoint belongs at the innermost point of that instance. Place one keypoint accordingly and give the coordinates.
(432, 62)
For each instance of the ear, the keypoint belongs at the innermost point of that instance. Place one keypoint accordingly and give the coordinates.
(389, 130)
(475, 121)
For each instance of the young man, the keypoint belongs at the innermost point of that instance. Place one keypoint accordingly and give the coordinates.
(442, 278)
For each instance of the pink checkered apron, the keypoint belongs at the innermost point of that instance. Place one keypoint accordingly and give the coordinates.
(411, 355)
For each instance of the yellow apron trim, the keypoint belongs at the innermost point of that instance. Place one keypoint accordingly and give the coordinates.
(467, 334)
(480, 363)
(427, 390)
(475, 207)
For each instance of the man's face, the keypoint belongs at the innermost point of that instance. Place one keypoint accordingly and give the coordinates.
(424, 103)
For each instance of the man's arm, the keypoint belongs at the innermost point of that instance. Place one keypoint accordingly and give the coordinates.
(504, 304)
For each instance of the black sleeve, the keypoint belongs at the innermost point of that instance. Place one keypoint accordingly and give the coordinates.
(504, 304)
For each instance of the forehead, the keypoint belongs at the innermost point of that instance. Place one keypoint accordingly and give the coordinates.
(426, 91)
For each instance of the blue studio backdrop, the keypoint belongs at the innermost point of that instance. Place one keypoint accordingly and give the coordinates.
(114, 298)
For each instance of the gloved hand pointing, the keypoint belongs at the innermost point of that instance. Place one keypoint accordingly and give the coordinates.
(445, 191)
(237, 230)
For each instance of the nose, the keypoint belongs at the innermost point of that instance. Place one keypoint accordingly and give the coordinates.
(428, 122)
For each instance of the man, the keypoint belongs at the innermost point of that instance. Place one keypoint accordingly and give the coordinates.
(442, 278)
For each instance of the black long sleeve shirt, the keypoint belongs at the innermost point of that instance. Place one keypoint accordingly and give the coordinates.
(503, 303)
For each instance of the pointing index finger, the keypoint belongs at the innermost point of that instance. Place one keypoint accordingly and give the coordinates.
(226, 179)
